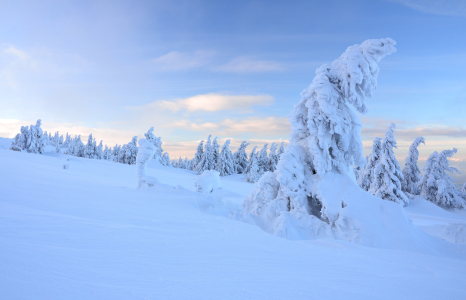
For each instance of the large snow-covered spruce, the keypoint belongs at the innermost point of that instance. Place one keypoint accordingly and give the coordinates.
(313, 192)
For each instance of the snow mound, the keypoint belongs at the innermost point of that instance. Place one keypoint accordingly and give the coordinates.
(342, 212)
(208, 181)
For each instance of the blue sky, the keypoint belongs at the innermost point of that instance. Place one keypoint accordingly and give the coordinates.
(231, 68)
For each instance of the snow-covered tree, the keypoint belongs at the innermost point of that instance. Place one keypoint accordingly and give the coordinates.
(122, 155)
(115, 153)
(131, 151)
(252, 155)
(215, 151)
(206, 162)
(364, 179)
(166, 159)
(387, 176)
(241, 158)
(156, 141)
(325, 144)
(436, 185)
(35, 140)
(78, 147)
(464, 188)
(180, 163)
(411, 171)
(144, 155)
(263, 159)
(107, 154)
(254, 172)
(98, 151)
(89, 149)
(281, 150)
(226, 164)
(186, 163)
(273, 158)
(197, 156)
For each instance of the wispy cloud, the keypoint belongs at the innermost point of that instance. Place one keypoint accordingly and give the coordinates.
(439, 7)
(248, 65)
(175, 61)
(15, 52)
(207, 102)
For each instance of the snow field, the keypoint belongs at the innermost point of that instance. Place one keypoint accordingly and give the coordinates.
(89, 233)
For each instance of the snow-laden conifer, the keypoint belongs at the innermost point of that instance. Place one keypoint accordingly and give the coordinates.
(252, 155)
(186, 164)
(145, 154)
(241, 158)
(156, 141)
(364, 179)
(215, 151)
(254, 173)
(281, 150)
(436, 185)
(166, 159)
(99, 153)
(106, 155)
(386, 175)
(115, 153)
(197, 156)
(131, 151)
(89, 149)
(206, 162)
(122, 155)
(180, 163)
(325, 144)
(263, 159)
(273, 158)
(78, 149)
(411, 171)
(226, 164)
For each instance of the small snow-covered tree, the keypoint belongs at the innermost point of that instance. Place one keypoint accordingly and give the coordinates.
(144, 155)
(89, 149)
(156, 141)
(263, 159)
(98, 151)
(254, 172)
(386, 175)
(166, 159)
(206, 162)
(36, 142)
(215, 151)
(115, 153)
(122, 154)
(411, 171)
(186, 163)
(131, 151)
(197, 156)
(78, 149)
(106, 155)
(273, 158)
(436, 185)
(241, 158)
(252, 155)
(364, 179)
(226, 164)
(180, 163)
(281, 150)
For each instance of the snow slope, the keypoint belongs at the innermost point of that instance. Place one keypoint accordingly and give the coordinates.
(88, 233)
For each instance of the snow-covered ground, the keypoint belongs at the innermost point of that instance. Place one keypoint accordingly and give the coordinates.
(87, 232)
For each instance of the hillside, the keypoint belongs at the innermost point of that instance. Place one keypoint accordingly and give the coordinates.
(87, 232)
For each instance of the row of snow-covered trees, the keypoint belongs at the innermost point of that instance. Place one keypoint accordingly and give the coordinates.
(210, 157)
(33, 140)
(207, 157)
(382, 176)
